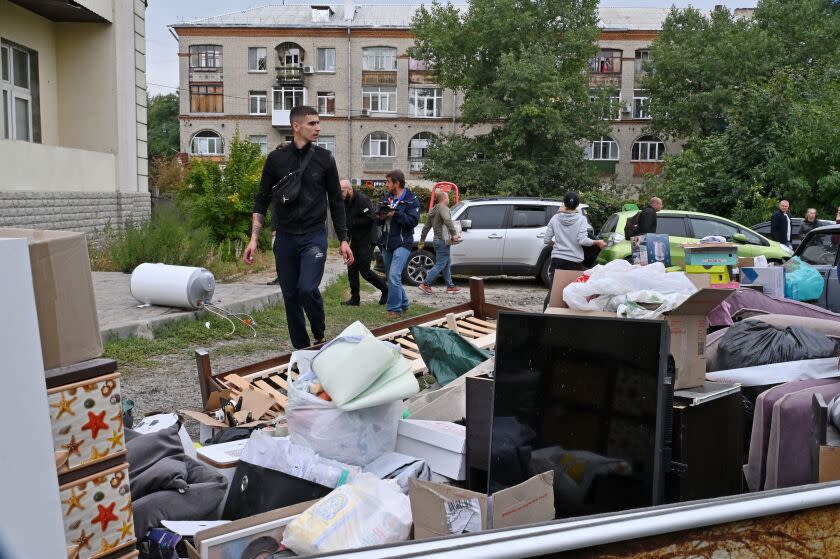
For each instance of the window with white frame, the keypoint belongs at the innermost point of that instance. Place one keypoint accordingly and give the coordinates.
(321, 14)
(206, 56)
(206, 142)
(379, 58)
(261, 141)
(648, 148)
(326, 142)
(286, 98)
(18, 81)
(641, 102)
(379, 99)
(603, 149)
(643, 59)
(257, 101)
(613, 109)
(379, 144)
(425, 101)
(417, 148)
(257, 59)
(326, 60)
(290, 56)
(326, 102)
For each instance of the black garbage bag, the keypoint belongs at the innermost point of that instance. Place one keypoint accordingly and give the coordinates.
(751, 343)
(446, 353)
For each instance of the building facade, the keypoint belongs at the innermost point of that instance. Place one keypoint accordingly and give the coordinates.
(379, 108)
(73, 118)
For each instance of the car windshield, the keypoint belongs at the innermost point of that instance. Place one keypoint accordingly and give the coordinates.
(821, 249)
(609, 226)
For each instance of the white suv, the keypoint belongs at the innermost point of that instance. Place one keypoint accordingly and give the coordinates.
(501, 236)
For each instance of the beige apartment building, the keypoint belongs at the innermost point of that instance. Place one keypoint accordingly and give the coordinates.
(73, 114)
(379, 108)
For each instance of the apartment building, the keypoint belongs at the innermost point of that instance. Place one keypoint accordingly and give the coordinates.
(73, 118)
(379, 108)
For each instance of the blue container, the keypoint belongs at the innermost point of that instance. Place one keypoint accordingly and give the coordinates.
(710, 255)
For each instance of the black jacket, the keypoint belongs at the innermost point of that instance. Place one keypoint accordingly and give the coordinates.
(319, 186)
(361, 219)
(647, 221)
(399, 230)
(806, 227)
(779, 228)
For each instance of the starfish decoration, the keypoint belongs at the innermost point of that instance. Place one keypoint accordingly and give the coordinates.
(73, 446)
(126, 529)
(118, 418)
(96, 455)
(116, 439)
(105, 546)
(90, 387)
(83, 540)
(75, 501)
(105, 516)
(127, 506)
(96, 422)
(64, 406)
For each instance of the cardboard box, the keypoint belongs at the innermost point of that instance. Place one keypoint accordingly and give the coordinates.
(441, 444)
(442, 510)
(562, 278)
(746, 262)
(64, 296)
(711, 254)
(254, 401)
(772, 279)
(687, 324)
(651, 248)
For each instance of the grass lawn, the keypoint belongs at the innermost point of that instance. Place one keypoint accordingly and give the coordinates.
(272, 333)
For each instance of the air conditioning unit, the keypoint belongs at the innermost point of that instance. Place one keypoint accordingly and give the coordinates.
(308, 69)
(627, 108)
(355, 182)
(365, 112)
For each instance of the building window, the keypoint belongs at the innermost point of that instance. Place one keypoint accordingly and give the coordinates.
(379, 99)
(417, 148)
(379, 144)
(207, 98)
(206, 56)
(321, 14)
(379, 58)
(19, 82)
(287, 98)
(641, 104)
(607, 61)
(604, 149)
(326, 60)
(613, 109)
(206, 142)
(425, 101)
(291, 56)
(326, 142)
(261, 141)
(326, 103)
(648, 148)
(257, 59)
(643, 60)
(257, 101)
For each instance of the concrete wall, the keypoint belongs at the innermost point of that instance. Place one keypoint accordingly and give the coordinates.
(88, 212)
(30, 166)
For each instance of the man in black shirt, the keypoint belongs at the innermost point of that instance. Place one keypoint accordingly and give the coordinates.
(363, 231)
(300, 247)
(647, 218)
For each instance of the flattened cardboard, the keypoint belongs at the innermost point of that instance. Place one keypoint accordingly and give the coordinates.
(64, 299)
(529, 502)
(254, 401)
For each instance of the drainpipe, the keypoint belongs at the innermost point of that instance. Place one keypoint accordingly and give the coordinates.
(454, 110)
(349, 100)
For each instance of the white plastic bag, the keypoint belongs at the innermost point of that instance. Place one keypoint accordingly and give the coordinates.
(367, 512)
(621, 287)
(353, 437)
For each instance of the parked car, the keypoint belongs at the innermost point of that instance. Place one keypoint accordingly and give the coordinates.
(763, 228)
(501, 236)
(689, 227)
(819, 248)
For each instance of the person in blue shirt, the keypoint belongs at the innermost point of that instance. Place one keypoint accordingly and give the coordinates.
(398, 214)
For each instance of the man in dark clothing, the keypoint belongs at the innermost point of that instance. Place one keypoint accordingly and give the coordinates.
(399, 214)
(361, 225)
(780, 224)
(647, 218)
(300, 247)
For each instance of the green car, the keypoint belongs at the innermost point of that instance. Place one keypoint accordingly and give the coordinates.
(689, 227)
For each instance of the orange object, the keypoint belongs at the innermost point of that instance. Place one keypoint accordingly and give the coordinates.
(325, 396)
(443, 187)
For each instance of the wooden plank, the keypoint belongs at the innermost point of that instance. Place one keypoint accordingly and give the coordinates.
(79, 372)
(480, 322)
(293, 375)
(467, 333)
(279, 381)
(406, 343)
(408, 354)
(278, 397)
(484, 342)
(477, 326)
(451, 322)
(266, 372)
(437, 322)
(477, 297)
(472, 329)
(239, 382)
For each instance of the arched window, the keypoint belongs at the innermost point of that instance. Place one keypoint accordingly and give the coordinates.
(603, 149)
(417, 147)
(648, 148)
(379, 144)
(206, 142)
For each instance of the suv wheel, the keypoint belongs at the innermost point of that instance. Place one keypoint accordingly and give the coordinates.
(419, 264)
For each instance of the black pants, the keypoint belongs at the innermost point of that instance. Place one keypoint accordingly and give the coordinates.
(300, 263)
(560, 264)
(362, 254)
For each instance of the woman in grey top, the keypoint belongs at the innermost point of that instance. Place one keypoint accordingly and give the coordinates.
(437, 219)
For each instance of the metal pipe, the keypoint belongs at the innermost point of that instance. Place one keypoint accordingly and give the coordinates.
(349, 99)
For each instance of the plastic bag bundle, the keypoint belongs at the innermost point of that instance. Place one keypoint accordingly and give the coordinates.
(752, 343)
(446, 353)
(367, 512)
(802, 281)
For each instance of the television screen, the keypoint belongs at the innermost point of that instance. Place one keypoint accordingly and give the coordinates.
(586, 397)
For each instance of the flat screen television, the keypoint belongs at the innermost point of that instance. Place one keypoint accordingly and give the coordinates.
(588, 397)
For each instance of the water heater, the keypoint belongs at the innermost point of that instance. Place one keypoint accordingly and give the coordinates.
(172, 286)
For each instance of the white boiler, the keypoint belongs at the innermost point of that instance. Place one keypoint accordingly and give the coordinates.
(172, 286)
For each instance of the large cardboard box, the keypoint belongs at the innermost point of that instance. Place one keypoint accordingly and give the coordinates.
(63, 295)
(442, 510)
(443, 445)
(688, 330)
(771, 278)
(711, 254)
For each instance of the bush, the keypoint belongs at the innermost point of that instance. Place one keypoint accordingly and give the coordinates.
(602, 204)
(167, 174)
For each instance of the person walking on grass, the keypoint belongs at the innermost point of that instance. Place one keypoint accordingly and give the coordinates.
(299, 216)
(361, 225)
(399, 213)
(439, 219)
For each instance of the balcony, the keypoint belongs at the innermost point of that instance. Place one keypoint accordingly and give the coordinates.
(281, 118)
(379, 77)
(418, 72)
(291, 74)
(416, 165)
(605, 70)
(382, 164)
(644, 168)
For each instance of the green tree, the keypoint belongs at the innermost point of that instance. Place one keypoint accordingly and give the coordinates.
(519, 67)
(163, 126)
